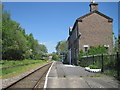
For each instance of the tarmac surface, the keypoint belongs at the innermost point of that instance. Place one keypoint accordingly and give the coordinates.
(69, 76)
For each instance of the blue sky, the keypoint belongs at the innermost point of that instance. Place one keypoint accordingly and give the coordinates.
(49, 22)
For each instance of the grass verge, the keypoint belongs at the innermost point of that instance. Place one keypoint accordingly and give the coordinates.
(9, 63)
(14, 71)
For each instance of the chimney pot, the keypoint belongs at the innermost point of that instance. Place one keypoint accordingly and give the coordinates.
(93, 6)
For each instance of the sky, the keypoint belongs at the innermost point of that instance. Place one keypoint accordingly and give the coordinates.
(49, 22)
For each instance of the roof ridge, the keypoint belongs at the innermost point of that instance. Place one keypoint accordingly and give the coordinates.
(95, 11)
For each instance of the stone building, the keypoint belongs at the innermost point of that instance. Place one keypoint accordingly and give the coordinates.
(92, 29)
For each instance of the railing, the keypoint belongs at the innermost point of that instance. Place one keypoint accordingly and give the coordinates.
(109, 64)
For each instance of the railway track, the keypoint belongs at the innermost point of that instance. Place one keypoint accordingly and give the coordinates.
(32, 80)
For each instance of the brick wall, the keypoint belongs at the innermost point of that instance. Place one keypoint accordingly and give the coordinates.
(95, 30)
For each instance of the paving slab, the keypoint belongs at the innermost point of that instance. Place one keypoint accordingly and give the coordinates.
(66, 83)
(70, 76)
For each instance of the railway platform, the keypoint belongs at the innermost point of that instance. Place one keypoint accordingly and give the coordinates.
(69, 76)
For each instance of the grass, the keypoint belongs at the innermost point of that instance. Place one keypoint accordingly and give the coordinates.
(14, 71)
(8, 63)
(93, 67)
(97, 75)
(0, 63)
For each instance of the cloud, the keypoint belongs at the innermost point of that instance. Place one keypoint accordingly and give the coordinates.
(44, 43)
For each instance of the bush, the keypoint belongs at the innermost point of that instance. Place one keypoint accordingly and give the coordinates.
(97, 50)
(81, 53)
(55, 57)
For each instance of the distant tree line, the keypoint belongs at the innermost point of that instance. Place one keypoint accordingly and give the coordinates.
(16, 44)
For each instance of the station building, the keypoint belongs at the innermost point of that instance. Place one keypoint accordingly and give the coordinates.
(91, 29)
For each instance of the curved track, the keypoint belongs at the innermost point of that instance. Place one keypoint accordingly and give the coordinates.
(32, 80)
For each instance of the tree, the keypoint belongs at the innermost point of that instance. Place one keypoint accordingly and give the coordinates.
(41, 51)
(13, 41)
(62, 47)
(116, 45)
(16, 44)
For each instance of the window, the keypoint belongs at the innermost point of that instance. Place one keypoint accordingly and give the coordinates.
(106, 46)
(86, 47)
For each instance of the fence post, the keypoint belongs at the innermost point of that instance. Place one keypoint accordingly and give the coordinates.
(118, 62)
(102, 70)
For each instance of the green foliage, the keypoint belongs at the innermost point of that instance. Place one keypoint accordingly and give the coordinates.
(111, 73)
(16, 44)
(55, 57)
(93, 67)
(62, 47)
(97, 50)
(19, 69)
(116, 45)
(8, 63)
(81, 53)
(92, 51)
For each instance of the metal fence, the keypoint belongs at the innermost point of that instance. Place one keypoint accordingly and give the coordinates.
(109, 64)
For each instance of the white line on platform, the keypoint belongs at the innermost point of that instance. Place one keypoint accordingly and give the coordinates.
(46, 78)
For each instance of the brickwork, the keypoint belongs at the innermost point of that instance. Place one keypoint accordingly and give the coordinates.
(92, 29)
(95, 30)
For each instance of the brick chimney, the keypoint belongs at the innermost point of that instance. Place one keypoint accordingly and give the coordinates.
(93, 6)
